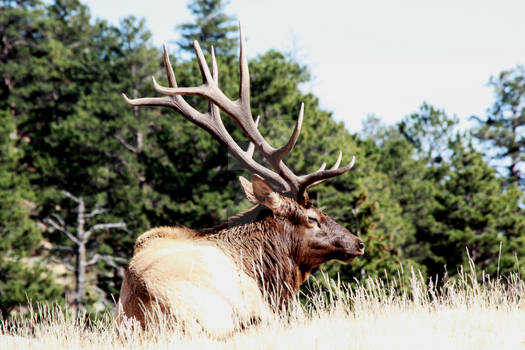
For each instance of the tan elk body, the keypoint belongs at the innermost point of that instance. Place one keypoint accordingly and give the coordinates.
(191, 279)
(220, 278)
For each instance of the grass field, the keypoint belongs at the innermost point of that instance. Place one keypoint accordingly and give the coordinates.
(463, 313)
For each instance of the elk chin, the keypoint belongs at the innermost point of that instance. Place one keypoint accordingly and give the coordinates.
(352, 258)
(349, 257)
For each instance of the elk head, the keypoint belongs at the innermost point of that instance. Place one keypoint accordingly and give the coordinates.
(319, 237)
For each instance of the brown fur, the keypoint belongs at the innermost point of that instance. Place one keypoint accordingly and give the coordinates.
(268, 250)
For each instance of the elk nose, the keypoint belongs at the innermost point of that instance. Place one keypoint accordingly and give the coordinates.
(360, 244)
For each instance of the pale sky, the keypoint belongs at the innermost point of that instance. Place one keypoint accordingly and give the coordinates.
(381, 57)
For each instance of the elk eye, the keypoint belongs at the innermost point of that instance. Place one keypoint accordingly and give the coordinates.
(313, 220)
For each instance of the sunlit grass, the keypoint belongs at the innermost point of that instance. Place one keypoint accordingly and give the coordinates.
(462, 313)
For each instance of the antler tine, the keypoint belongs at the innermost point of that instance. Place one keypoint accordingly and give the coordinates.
(161, 101)
(170, 74)
(214, 69)
(148, 101)
(205, 70)
(281, 152)
(244, 90)
(251, 146)
(320, 176)
(214, 110)
(335, 166)
(338, 161)
(202, 90)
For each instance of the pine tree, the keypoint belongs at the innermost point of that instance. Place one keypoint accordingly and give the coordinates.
(211, 26)
(65, 74)
(504, 128)
(22, 277)
(398, 182)
(429, 131)
(474, 212)
(96, 149)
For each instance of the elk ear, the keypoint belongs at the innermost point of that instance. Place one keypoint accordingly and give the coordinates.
(258, 192)
(248, 189)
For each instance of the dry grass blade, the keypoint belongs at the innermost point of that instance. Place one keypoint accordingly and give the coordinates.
(462, 313)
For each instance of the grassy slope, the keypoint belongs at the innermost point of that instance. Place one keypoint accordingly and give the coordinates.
(461, 314)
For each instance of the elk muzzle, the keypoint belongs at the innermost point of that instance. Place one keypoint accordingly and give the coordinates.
(358, 249)
(345, 246)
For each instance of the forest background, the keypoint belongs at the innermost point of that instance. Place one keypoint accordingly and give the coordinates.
(82, 174)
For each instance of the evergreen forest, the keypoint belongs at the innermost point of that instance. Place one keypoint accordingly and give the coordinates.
(83, 174)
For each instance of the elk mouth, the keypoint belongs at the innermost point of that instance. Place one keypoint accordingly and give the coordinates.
(348, 251)
(352, 257)
(349, 256)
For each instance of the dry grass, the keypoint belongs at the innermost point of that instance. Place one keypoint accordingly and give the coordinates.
(461, 314)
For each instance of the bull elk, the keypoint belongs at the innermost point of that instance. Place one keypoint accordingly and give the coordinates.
(223, 276)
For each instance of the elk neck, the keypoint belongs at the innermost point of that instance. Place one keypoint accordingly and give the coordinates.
(268, 248)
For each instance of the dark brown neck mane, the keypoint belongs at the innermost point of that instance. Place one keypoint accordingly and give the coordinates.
(268, 250)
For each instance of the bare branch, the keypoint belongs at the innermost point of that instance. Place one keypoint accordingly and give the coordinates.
(62, 229)
(70, 196)
(96, 211)
(98, 227)
(68, 266)
(127, 145)
(59, 219)
(110, 260)
(62, 247)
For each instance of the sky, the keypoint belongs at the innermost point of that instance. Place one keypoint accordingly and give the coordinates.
(380, 57)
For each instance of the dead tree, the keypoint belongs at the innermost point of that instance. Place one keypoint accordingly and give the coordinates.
(80, 237)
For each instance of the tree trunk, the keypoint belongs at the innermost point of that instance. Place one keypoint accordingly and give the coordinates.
(80, 273)
(80, 268)
(515, 154)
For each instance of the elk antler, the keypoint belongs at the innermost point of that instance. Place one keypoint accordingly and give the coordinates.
(282, 178)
